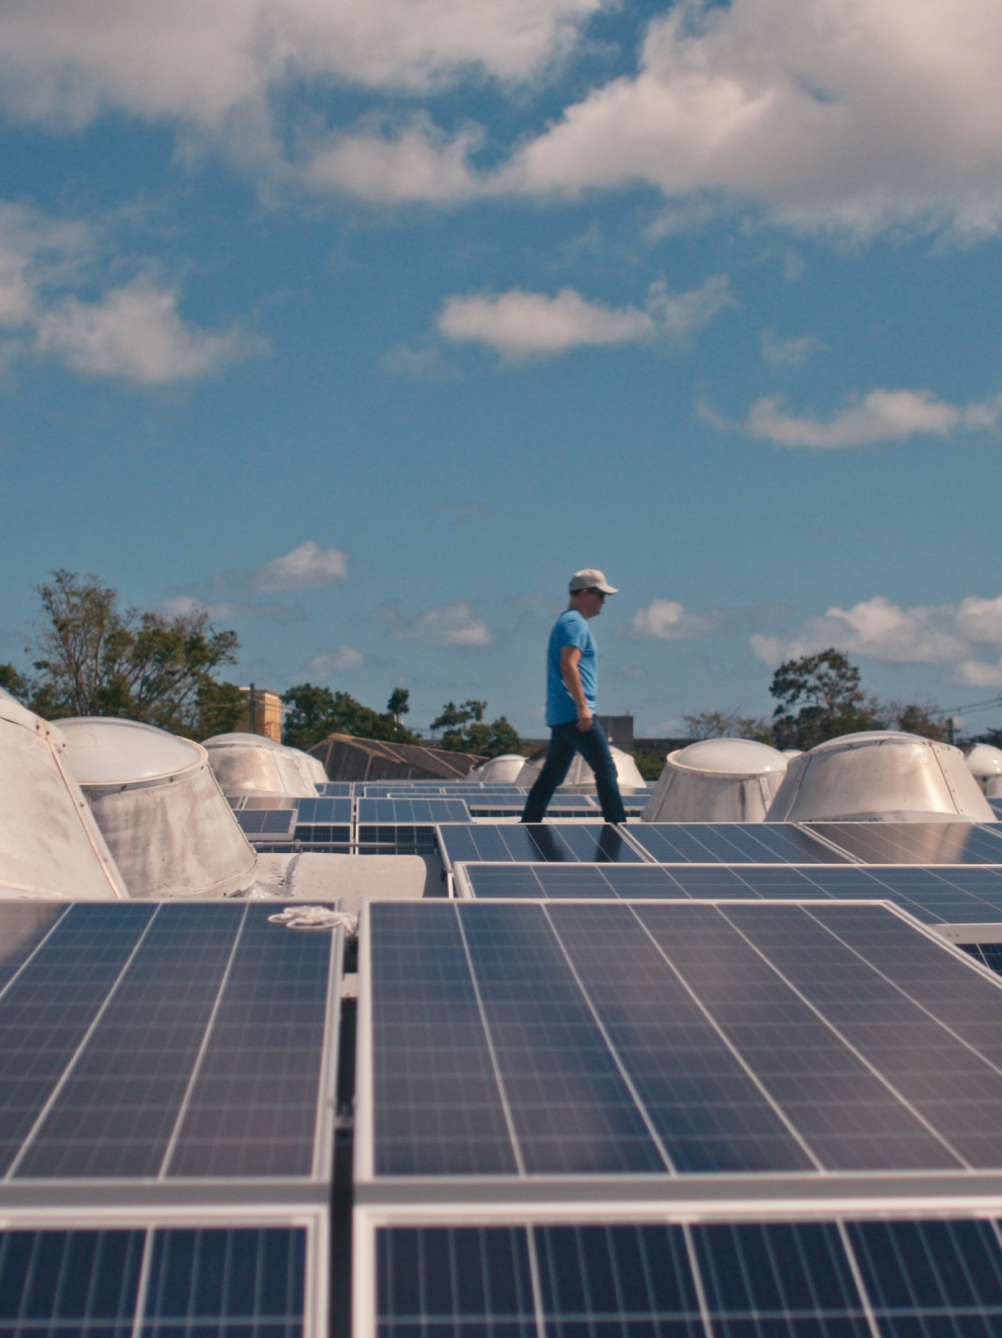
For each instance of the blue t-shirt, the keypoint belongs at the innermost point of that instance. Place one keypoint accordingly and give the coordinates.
(570, 629)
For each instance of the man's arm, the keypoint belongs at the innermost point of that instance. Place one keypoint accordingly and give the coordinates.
(570, 657)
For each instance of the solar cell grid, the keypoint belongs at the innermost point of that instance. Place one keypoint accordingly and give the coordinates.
(217, 1280)
(412, 811)
(731, 843)
(273, 823)
(543, 842)
(837, 1278)
(913, 842)
(141, 1042)
(324, 811)
(676, 1037)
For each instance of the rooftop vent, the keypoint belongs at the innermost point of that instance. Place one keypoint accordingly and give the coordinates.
(717, 780)
(50, 844)
(253, 764)
(880, 775)
(502, 770)
(159, 808)
(985, 763)
(580, 778)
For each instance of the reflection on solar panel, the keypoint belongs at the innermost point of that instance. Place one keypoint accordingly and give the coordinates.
(561, 806)
(389, 811)
(914, 842)
(274, 823)
(336, 789)
(969, 894)
(731, 843)
(601, 1040)
(270, 801)
(209, 1280)
(839, 1278)
(166, 1041)
(571, 843)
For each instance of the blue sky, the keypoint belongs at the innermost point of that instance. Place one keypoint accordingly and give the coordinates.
(365, 325)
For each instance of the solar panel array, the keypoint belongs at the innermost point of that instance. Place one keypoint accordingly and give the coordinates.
(166, 1124)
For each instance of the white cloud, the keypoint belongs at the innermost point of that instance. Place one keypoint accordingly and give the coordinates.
(947, 634)
(854, 113)
(667, 620)
(307, 567)
(340, 661)
(417, 162)
(881, 415)
(788, 352)
(447, 625)
(230, 610)
(214, 65)
(132, 331)
(520, 324)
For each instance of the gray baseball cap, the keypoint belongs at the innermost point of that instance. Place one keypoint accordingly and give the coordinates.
(591, 579)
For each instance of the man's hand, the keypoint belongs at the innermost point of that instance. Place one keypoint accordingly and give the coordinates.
(585, 721)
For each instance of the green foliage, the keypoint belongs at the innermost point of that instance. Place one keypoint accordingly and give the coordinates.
(650, 765)
(399, 703)
(825, 689)
(14, 682)
(466, 731)
(916, 718)
(721, 724)
(316, 712)
(94, 660)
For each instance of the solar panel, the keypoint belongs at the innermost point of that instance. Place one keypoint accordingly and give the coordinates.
(502, 806)
(996, 805)
(969, 894)
(573, 842)
(988, 954)
(336, 789)
(731, 843)
(117, 1282)
(324, 821)
(837, 1278)
(271, 801)
(271, 823)
(584, 1040)
(167, 1042)
(429, 811)
(913, 842)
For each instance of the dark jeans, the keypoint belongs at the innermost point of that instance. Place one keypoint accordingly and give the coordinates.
(565, 741)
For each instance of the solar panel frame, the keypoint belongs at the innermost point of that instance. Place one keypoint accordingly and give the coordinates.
(19, 1189)
(552, 1273)
(565, 842)
(969, 895)
(306, 1229)
(872, 1187)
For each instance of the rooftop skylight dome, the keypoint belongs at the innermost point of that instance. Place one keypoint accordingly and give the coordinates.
(880, 775)
(717, 780)
(501, 770)
(580, 778)
(159, 808)
(50, 845)
(253, 764)
(985, 763)
(310, 768)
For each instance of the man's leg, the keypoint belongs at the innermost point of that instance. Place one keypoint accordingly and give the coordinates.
(559, 756)
(594, 748)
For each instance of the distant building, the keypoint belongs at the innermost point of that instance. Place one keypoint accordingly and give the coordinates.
(618, 730)
(262, 714)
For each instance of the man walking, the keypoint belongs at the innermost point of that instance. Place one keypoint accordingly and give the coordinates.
(571, 689)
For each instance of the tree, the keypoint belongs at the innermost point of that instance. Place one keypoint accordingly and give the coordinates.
(720, 724)
(466, 731)
(916, 718)
(14, 682)
(399, 703)
(94, 660)
(316, 712)
(825, 687)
